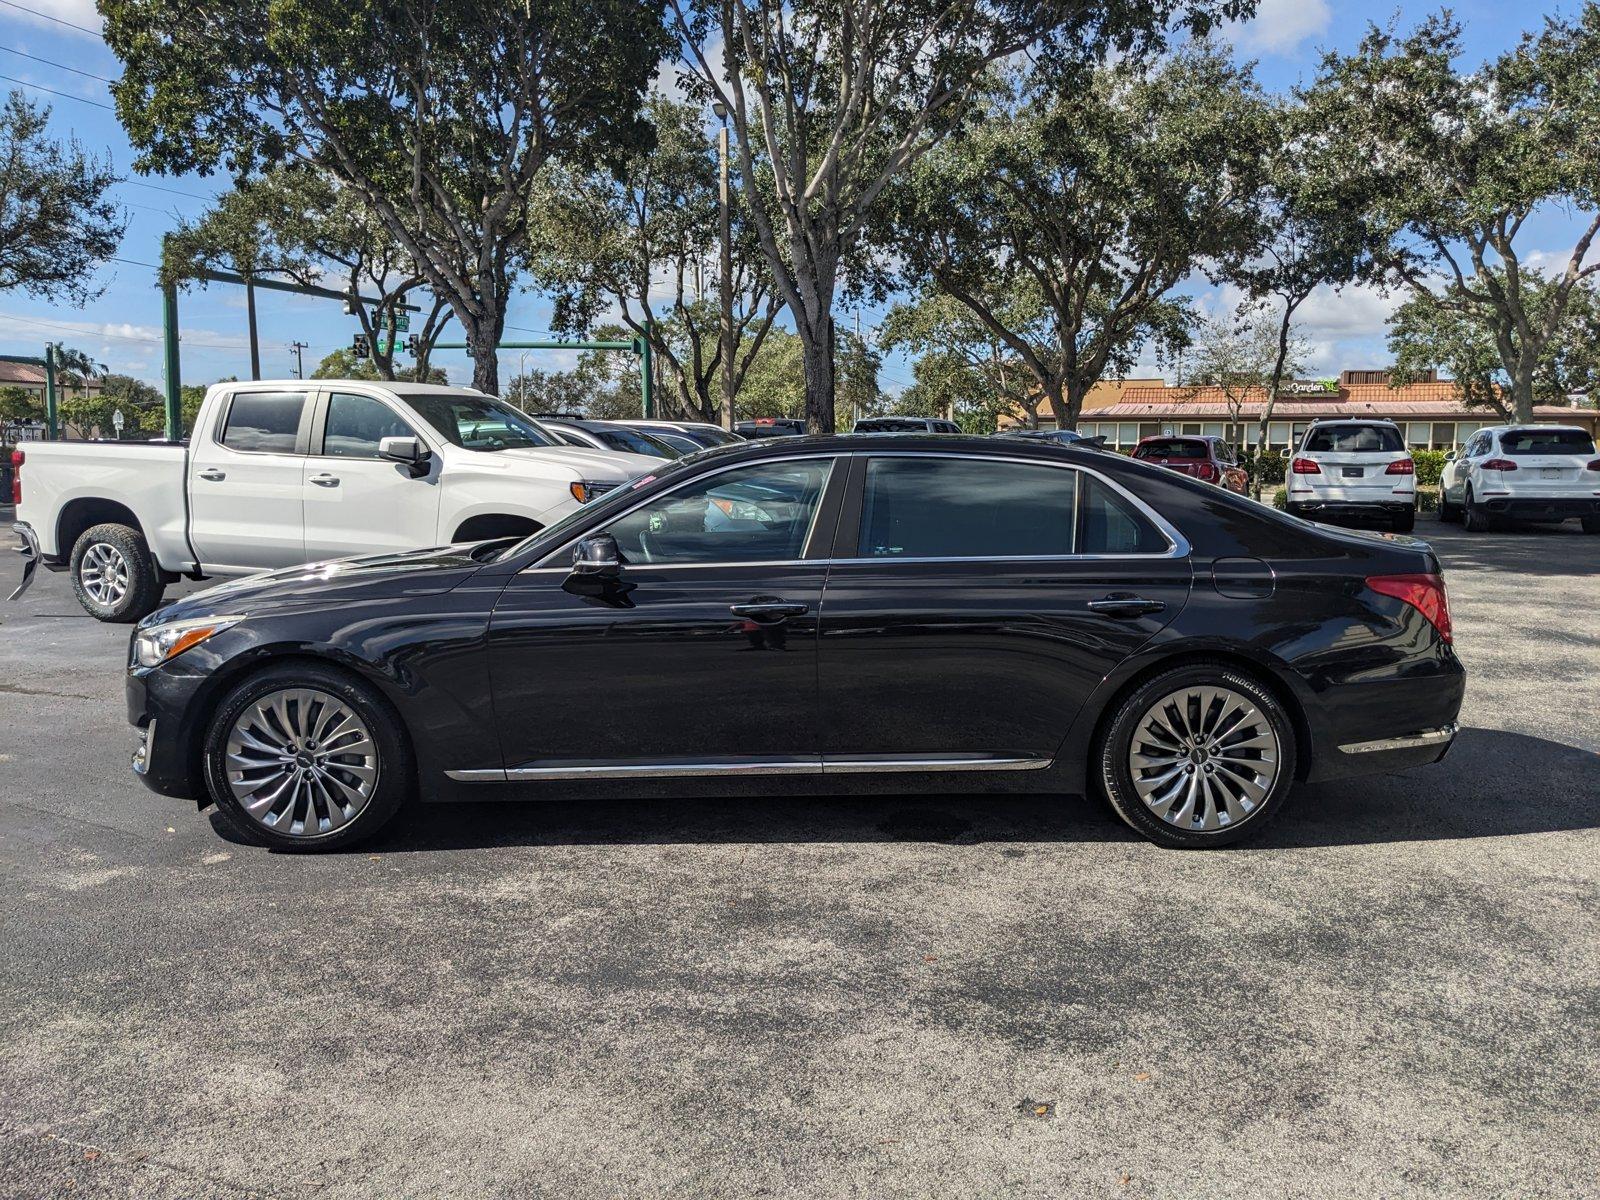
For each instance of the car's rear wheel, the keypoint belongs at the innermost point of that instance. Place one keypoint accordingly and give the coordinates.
(1591, 524)
(114, 575)
(1473, 517)
(1201, 755)
(1405, 521)
(305, 757)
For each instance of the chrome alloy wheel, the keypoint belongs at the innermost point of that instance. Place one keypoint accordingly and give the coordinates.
(301, 762)
(1204, 758)
(104, 573)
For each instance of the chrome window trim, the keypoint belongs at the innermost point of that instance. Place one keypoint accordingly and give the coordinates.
(1177, 545)
(807, 765)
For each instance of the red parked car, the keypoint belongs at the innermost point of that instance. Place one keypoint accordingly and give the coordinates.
(1208, 458)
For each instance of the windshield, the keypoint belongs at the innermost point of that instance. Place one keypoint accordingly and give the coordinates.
(633, 441)
(1546, 441)
(478, 422)
(1355, 439)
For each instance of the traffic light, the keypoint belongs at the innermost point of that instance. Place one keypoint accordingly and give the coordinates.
(411, 345)
(360, 348)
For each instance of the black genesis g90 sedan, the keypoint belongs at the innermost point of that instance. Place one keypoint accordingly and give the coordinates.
(819, 614)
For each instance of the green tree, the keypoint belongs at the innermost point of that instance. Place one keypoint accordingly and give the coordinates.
(1427, 334)
(439, 117)
(1463, 158)
(962, 365)
(92, 414)
(1101, 192)
(57, 222)
(301, 223)
(644, 241)
(343, 364)
(18, 405)
(830, 100)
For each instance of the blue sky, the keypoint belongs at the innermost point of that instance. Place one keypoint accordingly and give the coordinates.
(122, 327)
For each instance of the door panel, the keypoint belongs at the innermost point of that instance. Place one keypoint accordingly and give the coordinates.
(356, 502)
(976, 657)
(655, 667)
(245, 484)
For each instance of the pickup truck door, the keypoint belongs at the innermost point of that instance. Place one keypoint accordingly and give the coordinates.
(356, 502)
(245, 469)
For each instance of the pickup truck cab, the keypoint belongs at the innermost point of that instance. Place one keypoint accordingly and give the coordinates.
(279, 473)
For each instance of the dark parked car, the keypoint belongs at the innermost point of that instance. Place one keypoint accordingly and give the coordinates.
(905, 425)
(835, 613)
(770, 427)
(607, 435)
(1059, 437)
(1207, 458)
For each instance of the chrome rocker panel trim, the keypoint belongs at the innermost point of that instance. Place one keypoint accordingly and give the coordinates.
(838, 765)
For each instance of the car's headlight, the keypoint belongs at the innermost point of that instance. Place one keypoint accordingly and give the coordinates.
(586, 490)
(155, 645)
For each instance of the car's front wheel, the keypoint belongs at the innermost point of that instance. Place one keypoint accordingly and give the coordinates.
(1201, 755)
(302, 756)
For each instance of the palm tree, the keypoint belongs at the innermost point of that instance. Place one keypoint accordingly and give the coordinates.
(77, 368)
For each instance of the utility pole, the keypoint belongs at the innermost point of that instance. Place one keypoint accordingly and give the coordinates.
(725, 333)
(250, 316)
(299, 362)
(855, 396)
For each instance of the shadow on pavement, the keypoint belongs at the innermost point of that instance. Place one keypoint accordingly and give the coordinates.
(1493, 784)
(1524, 550)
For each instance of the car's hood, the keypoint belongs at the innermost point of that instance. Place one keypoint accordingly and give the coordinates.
(601, 466)
(413, 572)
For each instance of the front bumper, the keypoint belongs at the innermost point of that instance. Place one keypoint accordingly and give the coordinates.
(160, 704)
(1541, 508)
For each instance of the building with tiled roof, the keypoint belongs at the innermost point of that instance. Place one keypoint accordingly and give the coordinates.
(1430, 413)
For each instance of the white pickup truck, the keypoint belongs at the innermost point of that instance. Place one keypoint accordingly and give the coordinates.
(286, 472)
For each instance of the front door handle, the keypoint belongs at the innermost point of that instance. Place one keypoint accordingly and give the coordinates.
(214, 475)
(769, 610)
(1125, 604)
(325, 480)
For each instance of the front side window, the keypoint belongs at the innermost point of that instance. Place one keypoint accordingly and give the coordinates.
(356, 425)
(264, 422)
(478, 422)
(966, 508)
(757, 513)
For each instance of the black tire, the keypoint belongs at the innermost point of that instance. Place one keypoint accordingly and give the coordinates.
(135, 590)
(1405, 522)
(1473, 518)
(1590, 524)
(1448, 513)
(394, 773)
(1113, 769)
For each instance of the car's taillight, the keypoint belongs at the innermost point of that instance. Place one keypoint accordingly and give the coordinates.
(1208, 472)
(1401, 466)
(1425, 593)
(17, 459)
(1304, 466)
(1499, 464)
(1594, 466)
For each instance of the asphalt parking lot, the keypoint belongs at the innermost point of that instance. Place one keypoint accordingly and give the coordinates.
(1396, 992)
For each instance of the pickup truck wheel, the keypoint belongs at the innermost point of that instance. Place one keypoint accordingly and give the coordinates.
(301, 757)
(114, 574)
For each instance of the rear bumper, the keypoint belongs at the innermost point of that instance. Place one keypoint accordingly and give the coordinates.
(1541, 508)
(30, 556)
(1380, 725)
(1389, 506)
(1406, 750)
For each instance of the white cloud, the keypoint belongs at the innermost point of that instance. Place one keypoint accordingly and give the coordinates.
(1280, 26)
(73, 12)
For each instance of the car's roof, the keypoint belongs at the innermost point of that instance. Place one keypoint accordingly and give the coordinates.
(1533, 425)
(1352, 421)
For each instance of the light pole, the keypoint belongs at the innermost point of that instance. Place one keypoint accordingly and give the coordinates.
(725, 334)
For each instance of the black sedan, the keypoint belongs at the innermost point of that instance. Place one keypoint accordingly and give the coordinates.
(835, 613)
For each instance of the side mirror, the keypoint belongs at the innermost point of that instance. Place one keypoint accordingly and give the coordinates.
(597, 555)
(407, 450)
(1449, 456)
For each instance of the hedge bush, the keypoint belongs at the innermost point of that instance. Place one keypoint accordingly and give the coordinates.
(1430, 465)
(1273, 466)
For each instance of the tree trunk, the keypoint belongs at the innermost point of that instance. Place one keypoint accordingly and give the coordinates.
(1262, 426)
(1077, 391)
(1522, 395)
(1058, 405)
(819, 371)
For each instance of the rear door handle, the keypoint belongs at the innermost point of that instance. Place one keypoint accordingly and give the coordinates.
(1125, 604)
(325, 480)
(769, 610)
(213, 474)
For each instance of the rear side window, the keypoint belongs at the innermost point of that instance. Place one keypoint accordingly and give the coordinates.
(1546, 441)
(965, 508)
(1355, 439)
(1109, 524)
(264, 422)
(356, 424)
(1172, 448)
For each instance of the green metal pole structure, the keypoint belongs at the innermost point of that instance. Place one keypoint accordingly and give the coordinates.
(639, 346)
(169, 335)
(51, 407)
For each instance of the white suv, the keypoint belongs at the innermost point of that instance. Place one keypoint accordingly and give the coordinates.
(1354, 469)
(1528, 472)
